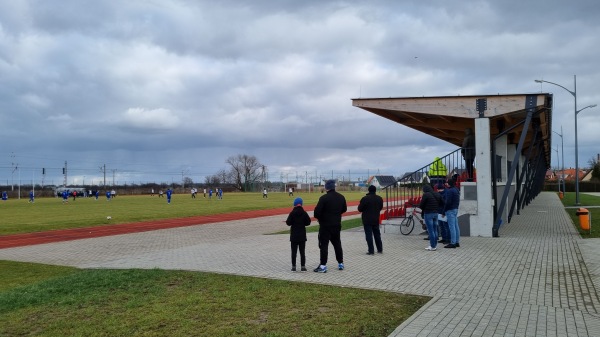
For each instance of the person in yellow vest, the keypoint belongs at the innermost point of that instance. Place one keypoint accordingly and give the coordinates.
(437, 172)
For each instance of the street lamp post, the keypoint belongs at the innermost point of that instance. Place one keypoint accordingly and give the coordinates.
(577, 153)
(574, 93)
(558, 166)
(562, 145)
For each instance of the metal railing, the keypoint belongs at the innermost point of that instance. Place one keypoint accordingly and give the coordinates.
(408, 189)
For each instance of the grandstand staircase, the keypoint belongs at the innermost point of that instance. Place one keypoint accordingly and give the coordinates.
(402, 196)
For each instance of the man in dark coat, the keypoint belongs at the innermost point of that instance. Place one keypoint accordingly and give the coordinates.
(468, 152)
(329, 212)
(451, 210)
(430, 203)
(370, 206)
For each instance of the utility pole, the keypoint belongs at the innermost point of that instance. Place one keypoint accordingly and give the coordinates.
(113, 171)
(65, 175)
(103, 170)
(15, 167)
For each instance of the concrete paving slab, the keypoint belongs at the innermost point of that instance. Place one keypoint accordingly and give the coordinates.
(539, 278)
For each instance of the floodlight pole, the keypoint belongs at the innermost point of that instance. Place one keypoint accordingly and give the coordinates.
(558, 166)
(562, 145)
(574, 93)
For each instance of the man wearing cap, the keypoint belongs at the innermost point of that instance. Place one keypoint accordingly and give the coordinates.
(329, 212)
(370, 206)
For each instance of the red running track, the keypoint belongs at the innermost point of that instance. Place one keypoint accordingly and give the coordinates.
(28, 239)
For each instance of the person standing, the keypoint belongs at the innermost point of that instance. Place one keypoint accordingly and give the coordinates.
(430, 202)
(437, 172)
(370, 206)
(451, 210)
(107, 195)
(442, 219)
(205, 193)
(169, 193)
(290, 192)
(31, 196)
(265, 193)
(4, 196)
(329, 212)
(298, 219)
(468, 152)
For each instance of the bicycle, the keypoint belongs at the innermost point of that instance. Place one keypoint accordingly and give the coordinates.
(408, 224)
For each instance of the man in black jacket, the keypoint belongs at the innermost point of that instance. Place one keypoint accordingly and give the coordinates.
(370, 206)
(430, 203)
(329, 212)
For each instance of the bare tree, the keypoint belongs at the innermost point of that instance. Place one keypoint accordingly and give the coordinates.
(213, 180)
(245, 171)
(187, 181)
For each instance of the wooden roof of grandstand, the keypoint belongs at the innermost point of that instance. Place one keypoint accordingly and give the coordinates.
(447, 117)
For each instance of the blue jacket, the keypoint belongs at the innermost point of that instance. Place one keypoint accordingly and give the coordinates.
(452, 198)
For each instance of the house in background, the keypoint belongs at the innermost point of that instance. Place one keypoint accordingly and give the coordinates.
(381, 181)
(413, 178)
(588, 176)
(569, 174)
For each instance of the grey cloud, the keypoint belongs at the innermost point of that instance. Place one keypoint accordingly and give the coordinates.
(176, 82)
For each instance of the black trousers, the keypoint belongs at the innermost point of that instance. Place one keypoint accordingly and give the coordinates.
(469, 168)
(330, 234)
(298, 246)
(372, 231)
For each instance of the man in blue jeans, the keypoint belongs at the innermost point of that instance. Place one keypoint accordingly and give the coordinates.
(451, 210)
(430, 202)
(370, 206)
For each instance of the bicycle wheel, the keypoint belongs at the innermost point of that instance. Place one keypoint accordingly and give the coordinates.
(407, 225)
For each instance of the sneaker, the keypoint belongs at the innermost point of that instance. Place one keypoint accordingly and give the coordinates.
(380, 252)
(303, 268)
(320, 269)
(457, 245)
(341, 266)
(294, 268)
(449, 246)
(425, 238)
(370, 253)
(430, 248)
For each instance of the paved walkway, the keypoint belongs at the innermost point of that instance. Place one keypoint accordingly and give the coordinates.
(539, 278)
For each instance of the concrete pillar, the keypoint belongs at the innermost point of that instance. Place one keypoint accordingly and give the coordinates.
(482, 222)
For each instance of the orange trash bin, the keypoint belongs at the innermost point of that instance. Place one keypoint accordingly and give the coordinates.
(584, 218)
(561, 195)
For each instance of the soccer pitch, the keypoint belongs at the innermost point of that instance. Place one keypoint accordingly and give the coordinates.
(20, 216)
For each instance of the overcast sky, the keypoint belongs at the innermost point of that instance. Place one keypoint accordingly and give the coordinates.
(158, 89)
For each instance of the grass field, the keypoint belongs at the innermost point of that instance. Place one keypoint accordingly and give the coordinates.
(44, 300)
(585, 200)
(20, 216)
(59, 301)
